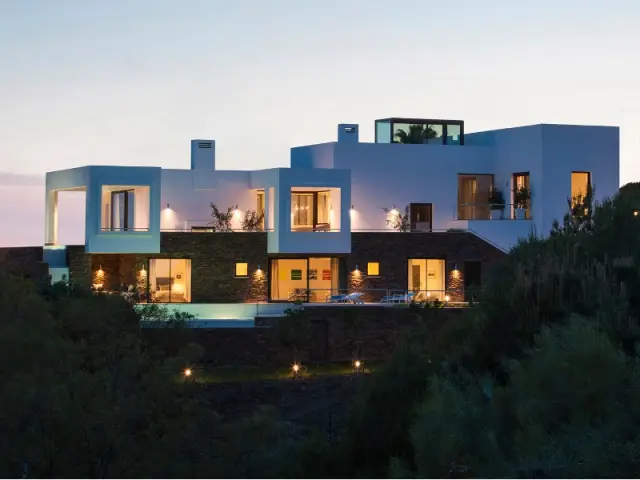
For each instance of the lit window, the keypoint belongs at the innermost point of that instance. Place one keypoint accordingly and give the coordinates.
(373, 268)
(242, 269)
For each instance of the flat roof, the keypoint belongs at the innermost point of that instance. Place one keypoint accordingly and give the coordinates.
(420, 120)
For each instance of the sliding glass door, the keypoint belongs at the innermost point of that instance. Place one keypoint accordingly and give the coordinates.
(311, 279)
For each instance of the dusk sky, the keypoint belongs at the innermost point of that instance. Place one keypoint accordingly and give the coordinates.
(117, 82)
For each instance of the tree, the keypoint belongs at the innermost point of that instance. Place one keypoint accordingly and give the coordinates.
(253, 221)
(81, 396)
(222, 220)
(294, 331)
(415, 134)
(399, 221)
(547, 420)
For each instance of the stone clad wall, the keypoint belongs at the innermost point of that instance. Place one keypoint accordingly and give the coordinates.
(25, 261)
(394, 249)
(213, 263)
(330, 339)
(214, 256)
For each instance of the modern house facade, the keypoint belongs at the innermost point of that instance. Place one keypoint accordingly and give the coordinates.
(415, 211)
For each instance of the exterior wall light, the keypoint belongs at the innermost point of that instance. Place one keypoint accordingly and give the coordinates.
(447, 298)
(635, 213)
(187, 372)
(168, 208)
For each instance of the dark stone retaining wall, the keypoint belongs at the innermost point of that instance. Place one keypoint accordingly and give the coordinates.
(381, 330)
(25, 261)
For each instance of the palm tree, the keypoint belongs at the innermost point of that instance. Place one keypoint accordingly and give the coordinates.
(416, 134)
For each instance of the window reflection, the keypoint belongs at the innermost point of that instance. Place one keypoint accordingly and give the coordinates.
(453, 134)
(433, 134)
(383, 132)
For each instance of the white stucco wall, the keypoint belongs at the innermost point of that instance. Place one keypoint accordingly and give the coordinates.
(388, 175)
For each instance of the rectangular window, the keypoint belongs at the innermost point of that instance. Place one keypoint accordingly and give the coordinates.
(242, 269)
(312, 211)
(473, 196)
(260, 206)
(454, 134)
(305, 279)
(580, 182)
(427, 279)
(122, 208)
(521, 180)
(170, 280)
(420, 215)
(383, 132)
(125, 208)
(373, 269)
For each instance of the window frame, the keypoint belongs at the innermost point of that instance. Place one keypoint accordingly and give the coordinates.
(246, 268)
(125, 222)
(377, 268)
(314, 211)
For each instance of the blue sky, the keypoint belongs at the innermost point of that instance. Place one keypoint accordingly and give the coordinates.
(131, 82)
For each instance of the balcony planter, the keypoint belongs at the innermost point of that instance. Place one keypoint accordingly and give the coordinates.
(521, 197)
(496, 203)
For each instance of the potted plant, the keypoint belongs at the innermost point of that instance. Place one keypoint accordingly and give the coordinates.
(496, 203)
(521, 197)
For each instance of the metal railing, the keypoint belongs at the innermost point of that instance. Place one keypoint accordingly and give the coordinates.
(483, 211)
(124, 229)
(382, 296)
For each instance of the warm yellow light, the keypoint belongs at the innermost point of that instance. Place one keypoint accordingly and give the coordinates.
(373, 269)
(455, 273)
(447, 298)
(187, 372)
(242, 269)
(296, 367)
(635, 213)
(143, 272)
(357, 363)
(100, 272)
(428, 294)
(394, 212)
(237, 213)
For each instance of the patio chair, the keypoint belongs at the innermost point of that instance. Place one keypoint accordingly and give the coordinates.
(355, 298)
(336, 298)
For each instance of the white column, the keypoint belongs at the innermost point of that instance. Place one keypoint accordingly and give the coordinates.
(51, 218)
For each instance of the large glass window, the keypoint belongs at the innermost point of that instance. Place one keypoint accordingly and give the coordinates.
(521, 181)
(302, 211)
(260, 206)
(312, 211)
(580, 182)
(427, 279)
(420, 216)
(434, 134)
(454, 134)
(170, 280)
(473, 196)
(125, 208)
(383, 132)
(122, 208)
(305, 279)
